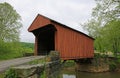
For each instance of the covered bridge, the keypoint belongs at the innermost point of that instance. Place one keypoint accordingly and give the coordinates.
(52, 35)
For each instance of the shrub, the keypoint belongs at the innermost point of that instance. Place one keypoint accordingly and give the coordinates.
(11, 74)
(54, 55)
(112, 66)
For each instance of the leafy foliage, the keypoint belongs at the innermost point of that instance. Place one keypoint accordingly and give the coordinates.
(104, 26)
(27, 45)
(11, 73)
(104, 12)
(9, 50)
(9, 23)
(112, 66)
(111, 36)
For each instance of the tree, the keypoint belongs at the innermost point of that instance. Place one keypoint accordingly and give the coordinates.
(104, 25)
(93, 28)
(104, 12)
(10, 23)
(111, 36)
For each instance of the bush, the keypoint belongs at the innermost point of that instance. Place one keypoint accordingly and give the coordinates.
(11, 74)
(69, 63)
(54, 55)
(5, 47)
(112, 66)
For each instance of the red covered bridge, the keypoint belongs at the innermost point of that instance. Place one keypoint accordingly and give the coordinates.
(51, 35)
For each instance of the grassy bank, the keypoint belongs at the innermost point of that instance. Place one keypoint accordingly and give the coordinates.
(69, 63)
(10, 50)
(1, 75)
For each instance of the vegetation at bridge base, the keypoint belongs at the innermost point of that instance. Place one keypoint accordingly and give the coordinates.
(69, 63)
(11, 73)
(1, 75)
(112, 66)
(104, 26)
(43, 75)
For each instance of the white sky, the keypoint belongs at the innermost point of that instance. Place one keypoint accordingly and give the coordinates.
(68, 12)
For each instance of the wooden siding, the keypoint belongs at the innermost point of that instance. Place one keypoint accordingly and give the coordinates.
(39, 21)
(35, 46)
(73, 45)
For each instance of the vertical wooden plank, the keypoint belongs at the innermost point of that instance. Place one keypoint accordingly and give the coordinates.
(73, 44)
(35, 47)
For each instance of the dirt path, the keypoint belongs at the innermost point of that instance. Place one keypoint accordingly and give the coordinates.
(14, 62)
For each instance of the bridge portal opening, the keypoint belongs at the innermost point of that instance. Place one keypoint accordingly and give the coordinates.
(46, 40)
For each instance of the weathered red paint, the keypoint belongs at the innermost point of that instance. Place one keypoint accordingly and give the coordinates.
(38, 22)
(70, 43)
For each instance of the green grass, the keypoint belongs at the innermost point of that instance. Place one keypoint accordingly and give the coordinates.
(27, 45)
(10, 56)
(69, 63)
(11, 50)
(38, 61)
(2, 75)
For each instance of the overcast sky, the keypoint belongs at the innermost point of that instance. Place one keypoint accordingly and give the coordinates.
(68, 12)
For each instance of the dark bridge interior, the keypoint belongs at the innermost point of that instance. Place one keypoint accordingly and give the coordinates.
(46, 39)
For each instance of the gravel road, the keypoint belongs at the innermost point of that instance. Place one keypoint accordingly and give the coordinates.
(18, 61)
